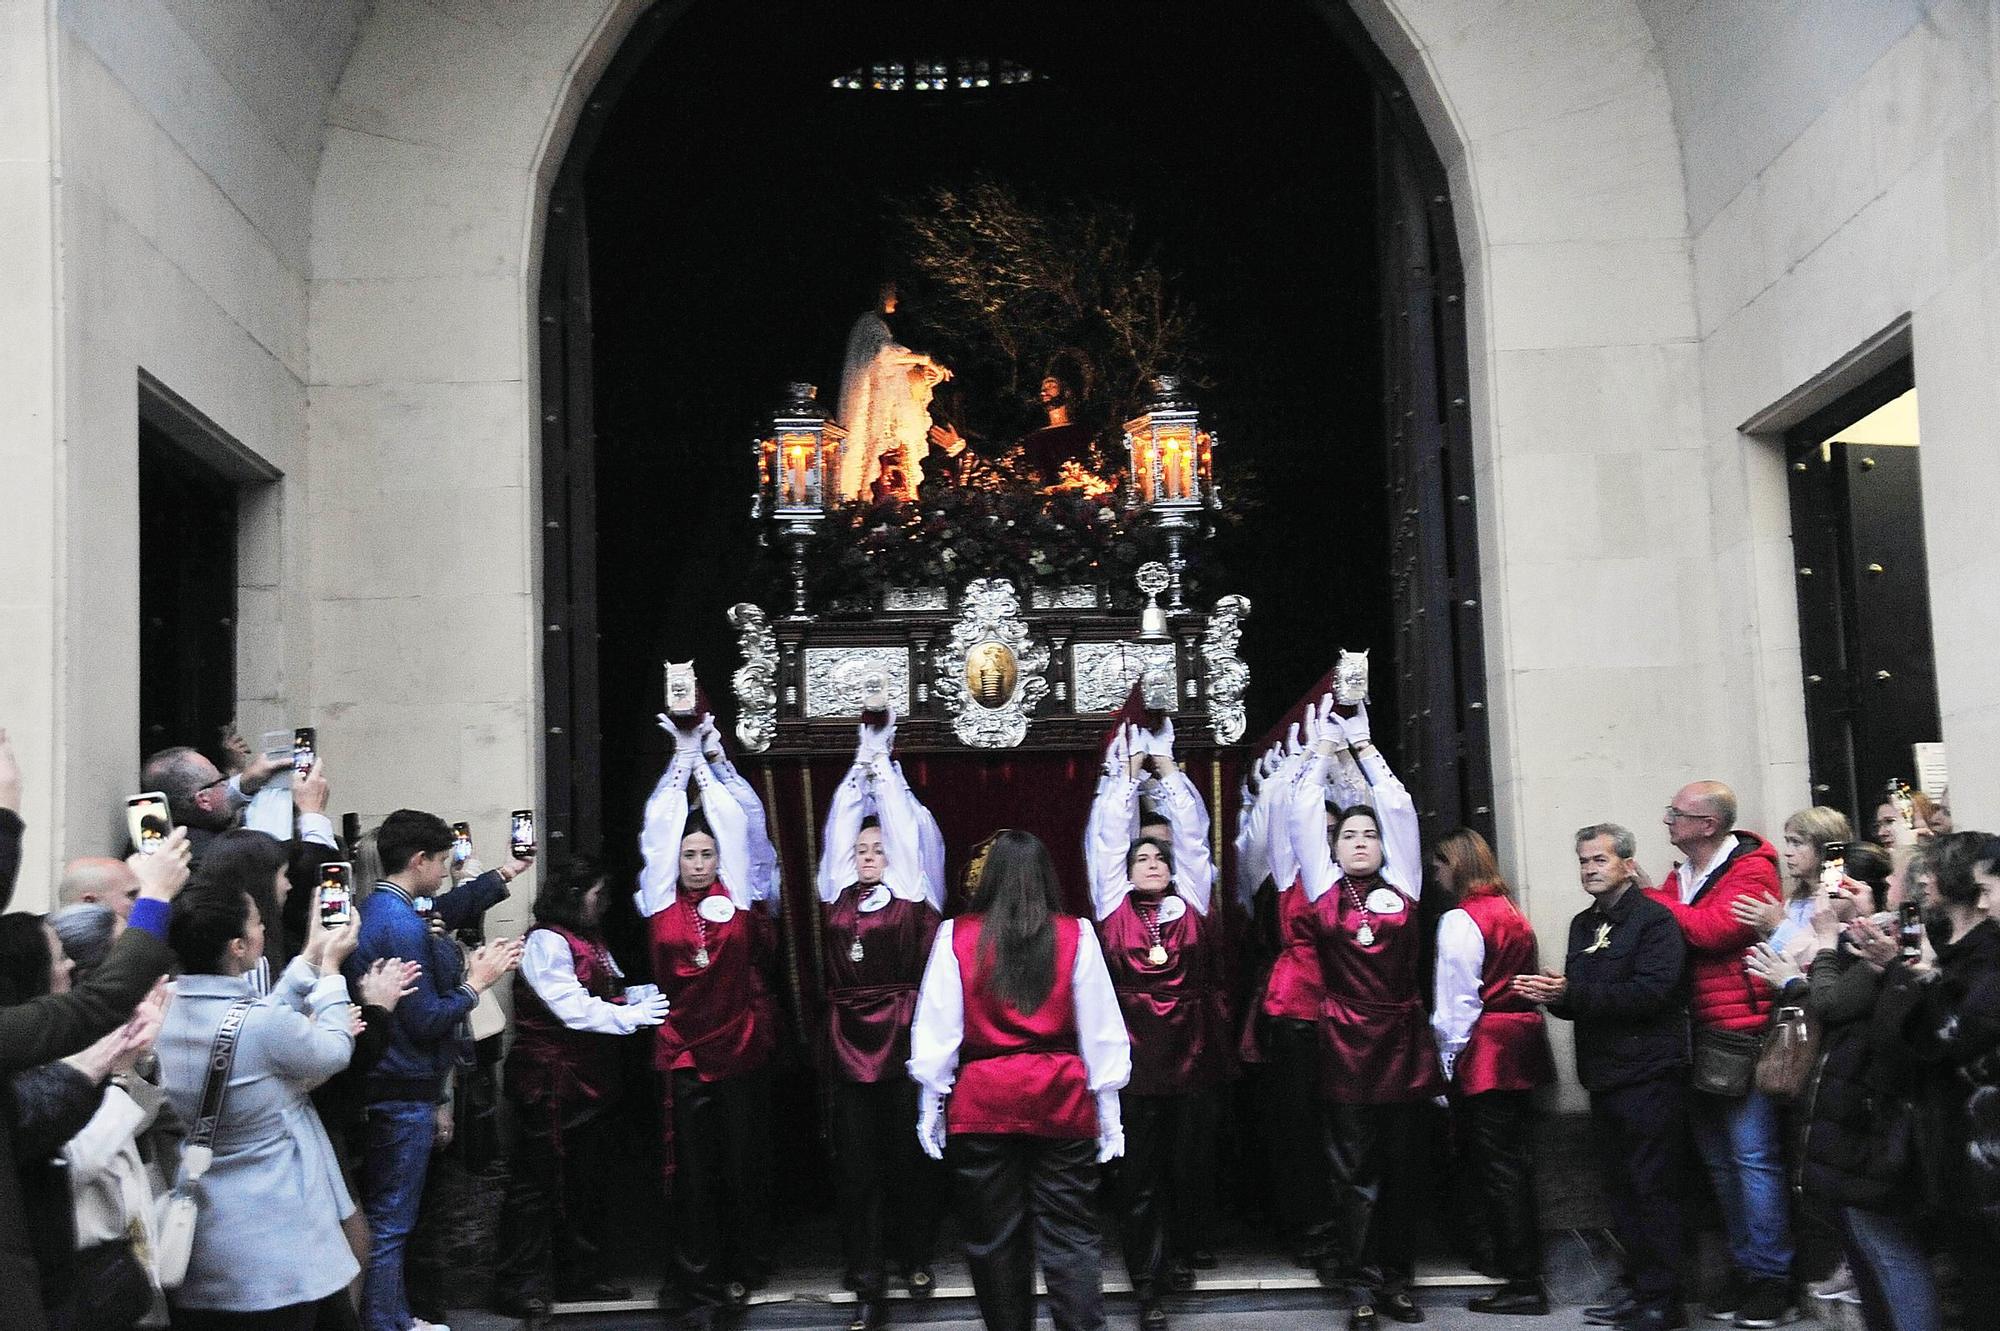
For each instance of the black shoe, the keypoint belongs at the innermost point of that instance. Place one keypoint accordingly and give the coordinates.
(594, 1291)
(921, 1282)
(1523, 1299)
(1655, 1317)
(869, 1315)
(1728, 1299)
(1362, 1318)
(1401, 1307)
(1152, 1316)
(1769, 1303)
(1614, 1312)
(527, 1307)
(1201, 1259)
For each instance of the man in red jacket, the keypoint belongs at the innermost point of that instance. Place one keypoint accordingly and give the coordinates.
(1736, 1127)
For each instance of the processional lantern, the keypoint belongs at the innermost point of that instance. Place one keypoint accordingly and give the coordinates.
(1171, 469)
(798, 470)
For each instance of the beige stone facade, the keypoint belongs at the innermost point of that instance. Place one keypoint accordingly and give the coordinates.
(318, 221)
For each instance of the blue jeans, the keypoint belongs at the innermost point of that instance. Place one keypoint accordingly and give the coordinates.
(393, 1165)
(1892, 1270)
(1738, 1137)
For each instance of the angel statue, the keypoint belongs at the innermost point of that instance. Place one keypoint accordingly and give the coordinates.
(885, 399)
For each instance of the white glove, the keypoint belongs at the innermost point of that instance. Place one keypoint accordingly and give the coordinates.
(1163, 742)
(710, 737)
(646, 1012)
(878, 739)
(930, 1124)
(1292, 739)
(1355, 727)
(685, 741)
(1110, 1130)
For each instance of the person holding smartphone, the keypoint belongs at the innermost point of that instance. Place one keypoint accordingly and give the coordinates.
(712, 928)
(881, 892)
(1814, 858)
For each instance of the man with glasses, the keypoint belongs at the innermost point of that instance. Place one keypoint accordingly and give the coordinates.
(207, 803)
(1737, 1128)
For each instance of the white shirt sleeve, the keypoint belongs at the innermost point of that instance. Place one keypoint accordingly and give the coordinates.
(939, 1026)
(1280, 865)
(1252, 863)
(1396, 813)
(1461, 956)
(318, 829)
(843, 827)
(931, 841)
(731, 822)
(1107, 836)
(118, 1120)
(765, 878)
(550, 970)
(1307, 824)
(1100, 1026)
(902, 837)
(660, 835)
(1194, 865)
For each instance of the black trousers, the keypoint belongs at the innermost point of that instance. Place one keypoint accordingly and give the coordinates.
(1640, 1131)
(552, 1224)
(891, 1193)
(296, 1317)
(1498, 1131)
(1023, 1200)
(722, 1184)
(1371, 1237)
(1295, 1131)
(1165, 1183)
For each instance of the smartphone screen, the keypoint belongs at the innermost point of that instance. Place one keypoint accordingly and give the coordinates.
(461, 841)
(336, 894)
(1832, 863)
(304, 750)
(522, 838)
(147, 821)
(1910, 931)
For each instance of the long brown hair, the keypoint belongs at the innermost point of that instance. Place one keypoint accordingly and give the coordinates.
(1018, 900)
(1469, 862)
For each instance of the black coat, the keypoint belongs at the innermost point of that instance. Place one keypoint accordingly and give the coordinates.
(41, 1031)
(49, 1105)
(1627, 992)
(1858, 1147)
(1948, 1021)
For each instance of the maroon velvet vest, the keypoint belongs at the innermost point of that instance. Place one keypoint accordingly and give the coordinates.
(1295, 988)
(871, 1002)
(723, 1019)
(1375, 1036)
(1180, 1033)
(1509, 1046)
(551, 1065)
(1020, 1073)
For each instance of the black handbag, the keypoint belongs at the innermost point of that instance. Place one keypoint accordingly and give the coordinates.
(1725, 1062)
(112, 1289)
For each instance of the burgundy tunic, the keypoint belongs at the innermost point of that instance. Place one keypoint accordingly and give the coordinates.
(1508, 1049)
(723, 1019)
(1020, 1073)
(1295, 989)
(1375, 1036)
(1173, 1012)
(871, 1002)
(568, 1071)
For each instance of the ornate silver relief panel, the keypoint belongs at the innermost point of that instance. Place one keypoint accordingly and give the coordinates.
(990, 672)
(1228, 677)
(837, 678)
(756, 680)
(1104, 672)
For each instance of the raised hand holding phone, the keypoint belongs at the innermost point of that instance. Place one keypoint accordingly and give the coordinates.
(164, 871)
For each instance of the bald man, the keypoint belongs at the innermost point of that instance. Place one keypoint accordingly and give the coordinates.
(1736, 1126)
(105, 882)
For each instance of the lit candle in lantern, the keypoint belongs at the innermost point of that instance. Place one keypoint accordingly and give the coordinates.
(1206, 458)
(796, 464)
(1174, 454)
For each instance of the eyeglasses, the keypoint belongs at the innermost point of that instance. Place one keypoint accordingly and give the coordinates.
(1675, 813)
(219, 781)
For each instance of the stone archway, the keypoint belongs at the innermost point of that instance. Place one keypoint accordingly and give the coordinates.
(1583, 396)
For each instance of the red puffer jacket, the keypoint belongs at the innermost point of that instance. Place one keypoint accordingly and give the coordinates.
(1725, 996)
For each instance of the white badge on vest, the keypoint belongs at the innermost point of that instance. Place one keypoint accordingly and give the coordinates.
(1171, 908)
(877, 898)
(716, 909)
(1386, 901)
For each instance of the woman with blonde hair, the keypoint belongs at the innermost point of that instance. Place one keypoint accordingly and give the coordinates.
(1787, 926)
(1494, 1049)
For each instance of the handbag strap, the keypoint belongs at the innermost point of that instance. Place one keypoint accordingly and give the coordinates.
(221, 1060)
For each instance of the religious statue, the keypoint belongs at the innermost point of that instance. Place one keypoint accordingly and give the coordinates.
(1043, 458)
(885, 396)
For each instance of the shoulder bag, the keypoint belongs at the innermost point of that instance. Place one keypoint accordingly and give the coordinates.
(1791, 1047)
(178, 1208)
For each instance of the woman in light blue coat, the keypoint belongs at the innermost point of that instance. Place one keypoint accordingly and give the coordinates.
(267, 1243)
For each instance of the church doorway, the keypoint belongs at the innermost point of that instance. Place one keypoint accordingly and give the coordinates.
(741, 182)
